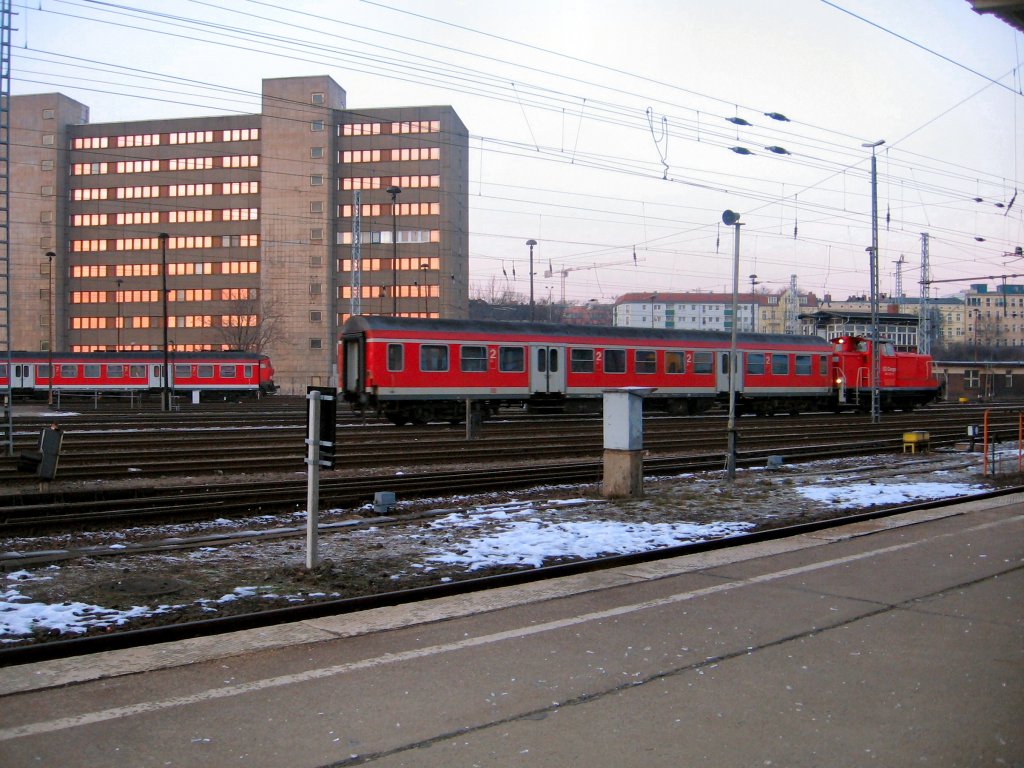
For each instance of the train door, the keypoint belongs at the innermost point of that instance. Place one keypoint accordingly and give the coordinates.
(723, 371)
(353, 368)
(547, 369)
(24, 377)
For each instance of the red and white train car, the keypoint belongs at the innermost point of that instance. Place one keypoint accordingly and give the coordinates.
(211, 372)
(412, 370)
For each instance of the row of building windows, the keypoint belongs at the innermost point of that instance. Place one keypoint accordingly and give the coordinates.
(148, 297)
(84, 271)
(171, 164)
(403, 265)
(375, 129)
(173, 321)
(395, 155)
(172, 217)
(378, 182)
(404, 236)
(171, 190)
(156, 139)
(400, 209)
(153, 243)
(414, 291)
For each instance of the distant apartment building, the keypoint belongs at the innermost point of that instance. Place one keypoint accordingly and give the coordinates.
(245, 225)
(757, 312)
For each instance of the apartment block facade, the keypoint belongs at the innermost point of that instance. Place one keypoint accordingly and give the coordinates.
(243, 226)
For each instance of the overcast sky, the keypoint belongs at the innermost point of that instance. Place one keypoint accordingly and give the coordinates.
(600, 128)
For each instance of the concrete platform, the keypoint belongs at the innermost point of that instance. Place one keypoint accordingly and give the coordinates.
(895, 642)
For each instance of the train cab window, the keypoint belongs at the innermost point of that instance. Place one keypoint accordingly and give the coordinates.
(473, 359)
(675, 362)
(433, 357)
(396, 357)
(615, 361)
(755, 363)
(182, 371)
(888, 349)
(780, 365)
(802, 365)
(68, 371)
(703, 362)
(511, 359)
(204, 371)
(137, 371)
(645, 361)
(228, 371)
(115, 371)
(581, 360)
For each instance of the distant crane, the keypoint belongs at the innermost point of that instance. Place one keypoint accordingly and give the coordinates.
(564, 271)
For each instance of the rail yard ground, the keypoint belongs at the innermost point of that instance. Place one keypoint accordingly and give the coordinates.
(195, 571)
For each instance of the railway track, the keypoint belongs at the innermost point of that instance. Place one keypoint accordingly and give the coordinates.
(162, 448)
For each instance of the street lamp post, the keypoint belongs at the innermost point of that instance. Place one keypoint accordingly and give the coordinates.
(531, 242)
(753, 304)
(732, 219)
(424, 266)
(165, 400)
(394, 192)
(50, 255)
(876, 360)
(117, 323)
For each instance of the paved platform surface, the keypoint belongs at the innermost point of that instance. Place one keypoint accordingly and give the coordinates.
(897, 642)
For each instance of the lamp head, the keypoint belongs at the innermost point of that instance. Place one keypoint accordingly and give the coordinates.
(730, 217)
(531, 243)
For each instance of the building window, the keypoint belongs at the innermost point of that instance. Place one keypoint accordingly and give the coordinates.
(316, 153)
(316, 206)
(318, 99)
(315, 289)
(46, 165)
(316, 233)
(46, 191)
(46, 217)
(316, 316)
(316, 344)
(48, 114)
(316, 126)
(48, 139)
(316, 180)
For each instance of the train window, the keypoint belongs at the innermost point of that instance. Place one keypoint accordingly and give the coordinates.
(615, 361)
(396, 357)
(68, 371)
(182, 371)
(228, 371)
(703, 362)
(473, 359)
(675, 362)
(115, 371)
(511, 359)
(433, 357)
(581, 360)
(542, 360)
(780, 365)
(204, 371)
(645, 361)
(822, 365)
(802, 365)
(137, 371)
(888, 349)
(755, 363)
(247, 371)
(3, 370)
(43, 371)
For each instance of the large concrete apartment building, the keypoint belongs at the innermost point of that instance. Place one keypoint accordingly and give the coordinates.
(253, 215)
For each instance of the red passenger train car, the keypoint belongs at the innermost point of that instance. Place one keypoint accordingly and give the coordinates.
(415, 370)
(111, 372)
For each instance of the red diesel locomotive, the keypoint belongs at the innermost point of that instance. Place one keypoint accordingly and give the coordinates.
(415, 370)
(110, 372)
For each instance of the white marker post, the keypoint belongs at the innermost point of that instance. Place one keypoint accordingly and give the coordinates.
(313, 482)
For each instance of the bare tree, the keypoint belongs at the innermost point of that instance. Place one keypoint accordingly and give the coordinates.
(250, 325)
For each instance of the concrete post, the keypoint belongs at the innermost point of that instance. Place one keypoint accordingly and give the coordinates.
(624, 442)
